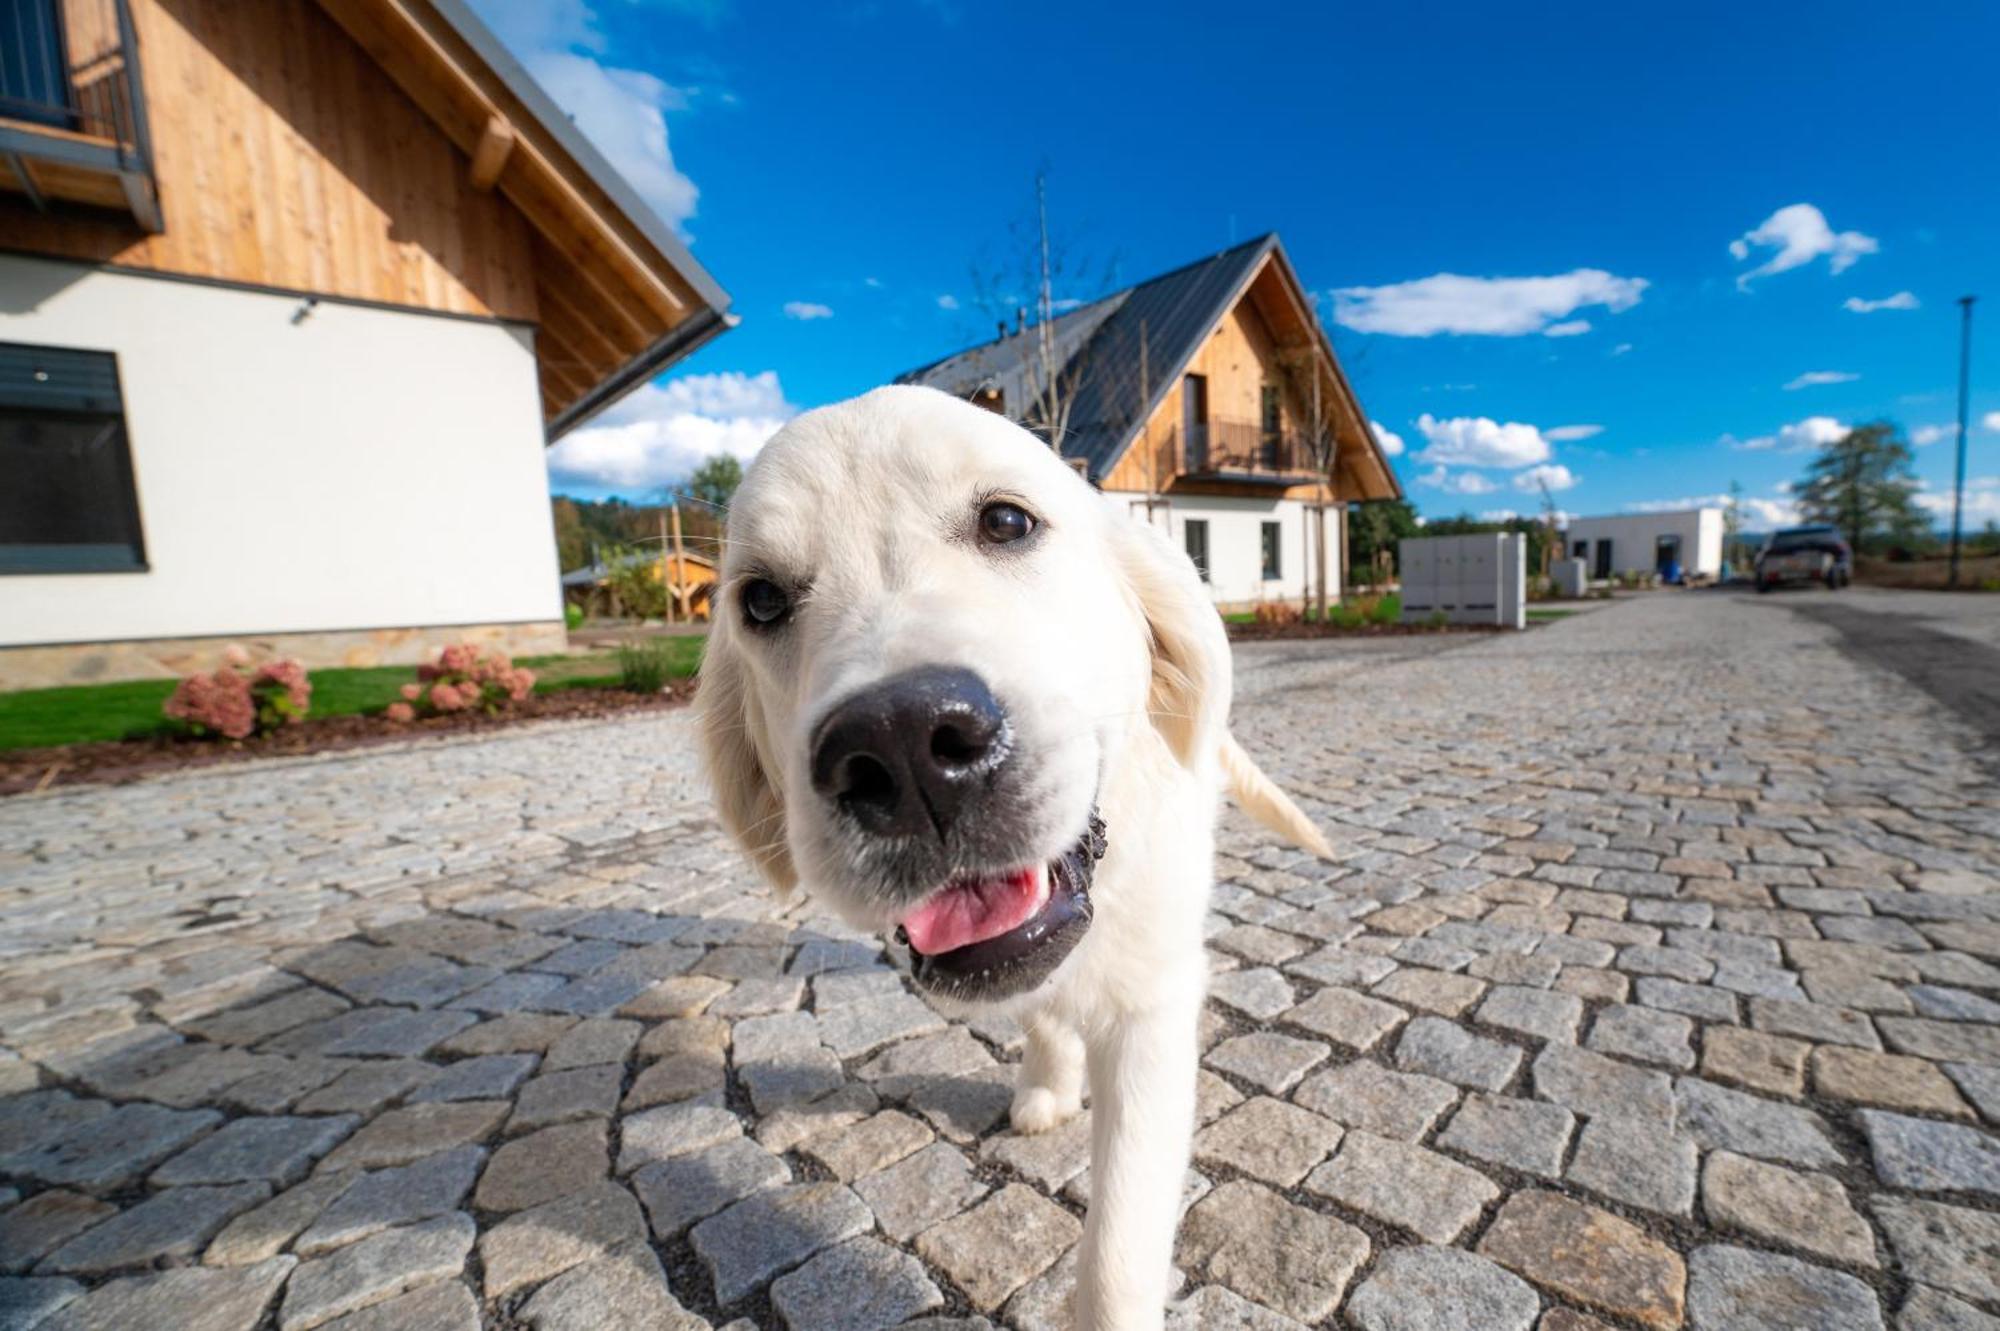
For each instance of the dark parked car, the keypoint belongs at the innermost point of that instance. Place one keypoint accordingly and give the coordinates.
(1805, 554)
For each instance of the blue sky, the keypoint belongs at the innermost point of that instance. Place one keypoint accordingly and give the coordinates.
(1519, 222)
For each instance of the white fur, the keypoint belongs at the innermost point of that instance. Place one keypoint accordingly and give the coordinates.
(1099, 640)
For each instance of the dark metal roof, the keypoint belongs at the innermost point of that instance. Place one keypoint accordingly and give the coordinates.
(1170, 314)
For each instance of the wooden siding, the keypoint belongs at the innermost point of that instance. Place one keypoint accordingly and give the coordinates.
(287, 158)
(1241, 355)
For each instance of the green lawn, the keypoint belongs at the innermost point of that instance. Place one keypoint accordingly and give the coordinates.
(1537, 613)
(38, 718)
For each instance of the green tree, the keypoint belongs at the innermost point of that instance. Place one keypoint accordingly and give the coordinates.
(1375, 527)
(1863, 483)
(714, 482)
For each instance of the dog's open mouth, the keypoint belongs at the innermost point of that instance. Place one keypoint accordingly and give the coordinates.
(993, 936)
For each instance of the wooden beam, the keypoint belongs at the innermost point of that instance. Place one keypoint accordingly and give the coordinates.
(579, 330)
(489, 156)
(422, 65)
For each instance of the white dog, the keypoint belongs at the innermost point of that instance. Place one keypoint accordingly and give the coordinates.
(970, 702)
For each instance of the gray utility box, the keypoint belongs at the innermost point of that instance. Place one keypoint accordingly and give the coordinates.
(1571, 578)
(1468, 579)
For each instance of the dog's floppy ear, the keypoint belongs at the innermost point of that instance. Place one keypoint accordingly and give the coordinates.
(733, 748)
(1189, 696)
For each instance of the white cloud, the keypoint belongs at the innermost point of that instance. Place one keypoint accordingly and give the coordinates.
(1391, 442)
(663, 431)
(1798, 437)
(1552, 474)
(875, 282)
(1797, 234)
(1815, 378)
(1572, 328)
(1498, 515)
(1564, 434)
(1758, 514)
(1621, 349)
(1496, 306)
(1990, 421)
(1460, 483)
(1981, 504)
(1477, 441)
(806, 309)
(622, 111)
(1926, 435)
(947, 301)
(1902, 300)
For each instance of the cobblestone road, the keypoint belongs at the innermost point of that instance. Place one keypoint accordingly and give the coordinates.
(1655, 985)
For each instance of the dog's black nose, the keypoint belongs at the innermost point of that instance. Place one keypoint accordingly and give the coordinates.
(903, 755)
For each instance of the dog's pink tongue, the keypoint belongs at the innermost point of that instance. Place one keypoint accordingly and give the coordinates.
(972, 912)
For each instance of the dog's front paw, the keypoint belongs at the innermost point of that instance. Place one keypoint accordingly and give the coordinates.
(1038, 1109)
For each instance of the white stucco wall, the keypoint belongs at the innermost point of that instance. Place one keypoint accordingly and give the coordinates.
(361, 468)
(1235, 545)
(1633, 540)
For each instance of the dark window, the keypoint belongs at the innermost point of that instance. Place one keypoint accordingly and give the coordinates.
(1197, 545)
(67, 504)
(1194, 421)
(1666, 550)
(34, 64)
(1603, 557)
(1273, 568)
(1582, 550)
(1272, 420)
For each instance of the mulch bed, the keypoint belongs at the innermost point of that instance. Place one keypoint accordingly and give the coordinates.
(114, 762)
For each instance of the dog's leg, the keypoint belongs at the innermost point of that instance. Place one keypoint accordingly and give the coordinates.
(1142, 1077)
(1050, 1090)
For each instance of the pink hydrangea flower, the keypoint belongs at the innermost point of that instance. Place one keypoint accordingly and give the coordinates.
(400, 711)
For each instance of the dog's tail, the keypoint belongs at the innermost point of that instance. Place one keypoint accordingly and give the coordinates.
(1261, 799)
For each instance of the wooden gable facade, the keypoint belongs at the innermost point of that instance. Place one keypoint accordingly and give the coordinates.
(1236, 417)
(380, 151)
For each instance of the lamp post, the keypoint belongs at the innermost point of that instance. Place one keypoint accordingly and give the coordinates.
(1964, 386)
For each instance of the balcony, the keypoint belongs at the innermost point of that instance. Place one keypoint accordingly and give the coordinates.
(1237, 451)
(72, 109)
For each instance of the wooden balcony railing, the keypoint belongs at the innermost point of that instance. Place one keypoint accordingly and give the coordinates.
(1236, 450)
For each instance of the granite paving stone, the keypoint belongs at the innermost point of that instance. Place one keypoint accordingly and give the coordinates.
(544, 1165)
(1741, 1289)
(1437, 1048)
(1723, 1119)
(626, 1288)
(1404, 1185)
(775, 1230)
(33, 1228)
(1637, 1162)
(687, 1188)
(860, 1285)
(1441, 1289)
(1927, 1156)
(377, 1268)
(433, 1186)
(400, 1136)
(1268, 1139)
(999, 1245)
(442, 1305)
(1592, 1257)
(189, 1299)
(1805, 1211)
(274, 1150)
(1273, 1252)
(173, 1224)
(920, 1190)
(1526, 1135)
(268, 1230)
(1368, 1096)
(532, 1246)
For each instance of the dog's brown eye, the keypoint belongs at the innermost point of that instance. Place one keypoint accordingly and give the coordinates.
(765, 602)
(1003, 522)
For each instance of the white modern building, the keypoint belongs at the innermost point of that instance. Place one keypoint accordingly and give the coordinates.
(1197, 397)
(1628, 543)
(281, 350)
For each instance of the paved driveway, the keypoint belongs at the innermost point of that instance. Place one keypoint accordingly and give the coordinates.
(1655, 983)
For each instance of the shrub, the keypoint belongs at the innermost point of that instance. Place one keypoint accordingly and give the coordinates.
(635, 580)
(645, 666)
(1278, 614)
(464, 678)
(235, 705)
(572, 616)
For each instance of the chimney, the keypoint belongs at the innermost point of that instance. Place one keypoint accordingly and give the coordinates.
(1020, 317)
